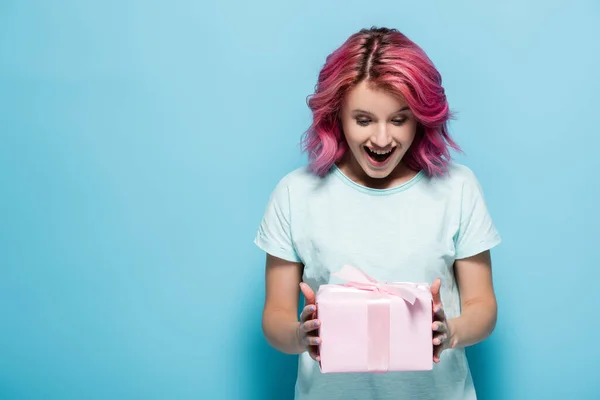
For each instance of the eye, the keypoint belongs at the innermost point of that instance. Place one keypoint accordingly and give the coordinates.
(398, 121)
(363, 121)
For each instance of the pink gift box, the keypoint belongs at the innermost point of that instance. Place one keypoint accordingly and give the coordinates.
(376, 327)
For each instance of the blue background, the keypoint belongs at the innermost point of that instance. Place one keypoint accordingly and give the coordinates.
(140, 142)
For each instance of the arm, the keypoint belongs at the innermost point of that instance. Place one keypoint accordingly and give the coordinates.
(478, 301)
(279, 321)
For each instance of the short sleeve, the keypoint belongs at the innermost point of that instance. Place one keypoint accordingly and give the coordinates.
(274, 232)
(476, 232)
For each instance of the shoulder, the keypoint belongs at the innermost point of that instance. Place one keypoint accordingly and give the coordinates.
(458, 181)
(300, 180)
(293, 189)
(461, 173)
(457, 175)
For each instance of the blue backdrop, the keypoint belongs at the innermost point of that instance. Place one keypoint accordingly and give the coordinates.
(140, 142)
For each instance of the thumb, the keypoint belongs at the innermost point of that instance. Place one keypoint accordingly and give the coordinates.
(435, 291)
(308, 293)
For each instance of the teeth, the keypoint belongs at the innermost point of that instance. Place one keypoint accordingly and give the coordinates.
(380, 151)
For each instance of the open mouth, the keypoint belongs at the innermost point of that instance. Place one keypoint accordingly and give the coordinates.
(379, 157)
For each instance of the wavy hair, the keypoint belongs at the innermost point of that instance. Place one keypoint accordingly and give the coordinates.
(387, 59)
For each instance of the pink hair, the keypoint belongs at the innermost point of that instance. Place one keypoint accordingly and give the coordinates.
(388, 60)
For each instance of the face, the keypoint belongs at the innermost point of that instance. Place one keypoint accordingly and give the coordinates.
(379, 128)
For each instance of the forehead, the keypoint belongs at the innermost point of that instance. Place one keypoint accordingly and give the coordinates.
(367, 97)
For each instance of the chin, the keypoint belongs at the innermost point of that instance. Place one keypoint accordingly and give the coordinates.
(379, 174)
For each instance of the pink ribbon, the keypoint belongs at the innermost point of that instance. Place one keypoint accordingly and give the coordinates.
(378, 312)
(356, 278)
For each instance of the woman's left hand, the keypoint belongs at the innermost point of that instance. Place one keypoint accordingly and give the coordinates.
(441, 331)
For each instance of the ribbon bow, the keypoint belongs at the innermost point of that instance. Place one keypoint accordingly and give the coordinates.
(356, 278)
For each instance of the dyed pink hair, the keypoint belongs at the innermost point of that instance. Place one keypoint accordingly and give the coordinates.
(388, 60)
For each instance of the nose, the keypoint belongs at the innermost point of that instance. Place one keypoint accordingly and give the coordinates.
(382, 137)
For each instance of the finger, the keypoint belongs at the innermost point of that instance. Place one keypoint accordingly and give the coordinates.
(310, 325)
(314, 353)
(439, 339)
(313, 341)
(307, 312)
(308, 293)
(435, 292)
(436, 356)
(439, 313)
(439, 326)
(437, 350)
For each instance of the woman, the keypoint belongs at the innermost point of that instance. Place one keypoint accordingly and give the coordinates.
(382, 194)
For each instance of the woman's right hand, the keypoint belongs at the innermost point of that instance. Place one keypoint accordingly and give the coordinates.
(308, 326)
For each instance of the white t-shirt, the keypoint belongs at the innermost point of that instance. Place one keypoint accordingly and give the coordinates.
(412, 232)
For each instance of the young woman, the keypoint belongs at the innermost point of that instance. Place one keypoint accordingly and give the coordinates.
(382, 194)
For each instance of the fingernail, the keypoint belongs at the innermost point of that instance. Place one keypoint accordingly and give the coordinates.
(312, 308)
(316, 323)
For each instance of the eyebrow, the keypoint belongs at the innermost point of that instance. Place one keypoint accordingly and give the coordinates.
(357, 111)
